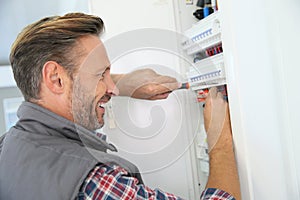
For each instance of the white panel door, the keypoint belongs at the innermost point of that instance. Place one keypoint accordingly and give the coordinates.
(260, 42)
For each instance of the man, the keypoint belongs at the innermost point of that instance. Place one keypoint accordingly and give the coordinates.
(52, 152)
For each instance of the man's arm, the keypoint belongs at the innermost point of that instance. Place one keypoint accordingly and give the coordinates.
(223, 170)
(145, 84)
(114, 182)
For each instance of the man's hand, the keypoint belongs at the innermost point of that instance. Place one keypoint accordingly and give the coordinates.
(145, 84)
(223, 172)
(217, 121)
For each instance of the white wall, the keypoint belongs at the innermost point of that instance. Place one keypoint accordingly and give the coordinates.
(285, 47)
(260, 43)
(122, 16)
(7, 77)
(16, 14)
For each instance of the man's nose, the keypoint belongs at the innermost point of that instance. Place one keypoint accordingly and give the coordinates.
(111, 87)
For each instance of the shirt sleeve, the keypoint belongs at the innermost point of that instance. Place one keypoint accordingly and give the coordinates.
(215, 194)
(113, 182)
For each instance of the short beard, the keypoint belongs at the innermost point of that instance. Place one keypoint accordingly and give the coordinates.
(83, 108)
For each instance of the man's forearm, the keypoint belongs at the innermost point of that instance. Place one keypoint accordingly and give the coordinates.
(116, 77)
(223, 171)
(145, 84)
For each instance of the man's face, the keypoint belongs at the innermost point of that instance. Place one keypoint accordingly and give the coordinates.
(92, 85)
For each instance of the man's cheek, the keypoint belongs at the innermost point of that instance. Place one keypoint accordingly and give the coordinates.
(88, 82)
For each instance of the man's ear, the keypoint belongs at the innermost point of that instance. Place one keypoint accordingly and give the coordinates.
(54, 77)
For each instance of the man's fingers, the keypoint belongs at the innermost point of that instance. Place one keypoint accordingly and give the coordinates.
(165, 79)
(160, 96)
(157, 88)
(212, 92)
(171, 86)
(219, 94)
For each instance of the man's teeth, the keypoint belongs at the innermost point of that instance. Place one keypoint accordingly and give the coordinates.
(101, 105)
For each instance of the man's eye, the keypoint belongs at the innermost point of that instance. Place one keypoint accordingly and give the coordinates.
(101, 76)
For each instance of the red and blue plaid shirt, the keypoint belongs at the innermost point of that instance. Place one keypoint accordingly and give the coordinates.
(114, 183)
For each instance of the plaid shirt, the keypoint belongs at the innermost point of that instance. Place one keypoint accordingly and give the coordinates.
(113, 182)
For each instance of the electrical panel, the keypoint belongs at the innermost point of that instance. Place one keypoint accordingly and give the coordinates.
(203, 44)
